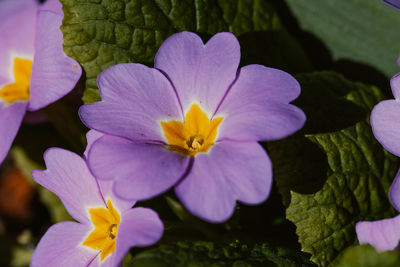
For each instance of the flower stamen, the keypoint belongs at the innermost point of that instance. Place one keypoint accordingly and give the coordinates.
(195, 142)
(112, 231)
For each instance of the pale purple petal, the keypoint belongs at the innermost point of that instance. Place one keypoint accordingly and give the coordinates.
(107, 190)
(257, 81)
(246, 168)
(256, 107)
(205, 191)
(200, 73)
(393, 3)
(230, 171)
(53, 6)
(394, 192)
(10, 119)
(139, 227)
(53, 73)
(106, 186)
(383, 234)
(91, 137)
(135, 99)
(68, 176)
(61, 246)
(17, 35)
(395, 85)
(385, 122)
(140, 171)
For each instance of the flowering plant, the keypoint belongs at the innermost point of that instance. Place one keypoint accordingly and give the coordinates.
(34, 71)
(193, 123)
(251, 132)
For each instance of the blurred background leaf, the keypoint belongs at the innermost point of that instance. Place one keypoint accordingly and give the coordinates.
(363, 31)
(367, 256)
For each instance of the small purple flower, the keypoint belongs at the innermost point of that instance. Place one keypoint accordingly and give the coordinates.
(393, 3)
(385, 122)
(107, 226)
(193, 122)
(34, 71)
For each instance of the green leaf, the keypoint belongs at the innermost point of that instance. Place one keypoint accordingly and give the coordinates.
(333, 173)
(367, 256)
(357, 30)
(5, 251)
(56, 208)
(99, 34)
(210, 254)
(31, 142)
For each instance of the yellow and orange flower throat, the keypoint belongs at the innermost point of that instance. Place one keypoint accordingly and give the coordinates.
(19, 90)
(103, 237)
(196, 135)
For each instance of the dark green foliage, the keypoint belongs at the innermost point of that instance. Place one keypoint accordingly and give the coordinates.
(100, 34)
(367, 256)
(334, 173)
(210, 254)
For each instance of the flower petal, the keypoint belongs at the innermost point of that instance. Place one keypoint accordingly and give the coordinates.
(395, 85)
(247, 168)
(10, 119)
(393, 3)
(53, 6)
(107, 190)
(91, 137)
(383, 234)
(385, 123)
(228, 172)
(53, 73)
(135, 99)
(17, 34)
(140, 171)
(106, 186)
(139, 227)
(61, 246)
(394, 192)
(200, 73)
(256, 106)
(68, 177)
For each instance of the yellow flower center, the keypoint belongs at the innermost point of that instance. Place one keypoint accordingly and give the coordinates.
(103, 237)
(195, 135)
(19, 90)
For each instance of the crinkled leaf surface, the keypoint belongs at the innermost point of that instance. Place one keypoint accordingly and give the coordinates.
(186, 253)
(101, 33)
(364, 31)
(367, 256)
(334, 173)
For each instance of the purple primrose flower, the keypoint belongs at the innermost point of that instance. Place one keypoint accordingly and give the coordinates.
(385, 122)
(192, 122)
(107, 226)
(34, 71)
